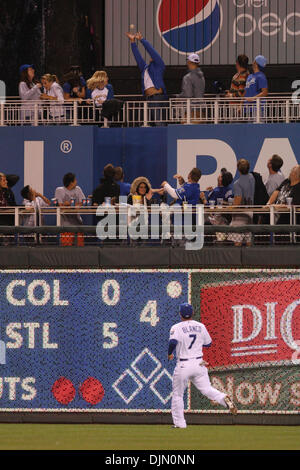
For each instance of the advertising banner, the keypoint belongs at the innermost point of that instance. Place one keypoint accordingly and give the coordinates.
(218, 30)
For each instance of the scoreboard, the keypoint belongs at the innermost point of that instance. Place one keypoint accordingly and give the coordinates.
(97, 340)
(88, 340)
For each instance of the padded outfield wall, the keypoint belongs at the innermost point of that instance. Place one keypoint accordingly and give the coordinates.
(91, 345)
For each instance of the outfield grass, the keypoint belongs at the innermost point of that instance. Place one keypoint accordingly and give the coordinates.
(147, 437)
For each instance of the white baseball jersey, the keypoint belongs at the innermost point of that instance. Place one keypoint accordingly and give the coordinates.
(190, 335)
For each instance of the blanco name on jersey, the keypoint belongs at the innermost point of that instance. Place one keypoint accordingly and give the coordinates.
(191, 336)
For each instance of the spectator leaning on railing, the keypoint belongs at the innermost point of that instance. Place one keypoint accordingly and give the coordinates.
(222, 192)
(290, 188)
(32, 200)
(99, 90)
(74, 86)
(65, 195)
(275, 177)
(53, 92)
(244, 190)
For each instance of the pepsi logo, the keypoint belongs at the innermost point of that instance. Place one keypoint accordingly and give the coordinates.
(189, 26)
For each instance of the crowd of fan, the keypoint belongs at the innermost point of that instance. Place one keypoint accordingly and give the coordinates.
(98, 91)
(248, 190)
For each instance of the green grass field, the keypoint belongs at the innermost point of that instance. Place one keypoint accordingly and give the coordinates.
(147, 437)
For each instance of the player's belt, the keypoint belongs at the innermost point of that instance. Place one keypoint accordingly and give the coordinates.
(190, 358)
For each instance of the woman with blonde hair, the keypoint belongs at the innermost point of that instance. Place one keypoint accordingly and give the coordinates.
(53, 92)
(99, 90)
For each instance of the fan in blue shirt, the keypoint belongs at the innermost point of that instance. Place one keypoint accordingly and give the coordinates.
(188, 192)
(222, 191)
(257, 83)
(156, 67)
(119, 179)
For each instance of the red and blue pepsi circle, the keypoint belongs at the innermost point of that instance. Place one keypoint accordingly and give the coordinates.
(189, 26)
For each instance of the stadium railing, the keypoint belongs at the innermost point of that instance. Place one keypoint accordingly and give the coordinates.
(266, 232)
(136, 112)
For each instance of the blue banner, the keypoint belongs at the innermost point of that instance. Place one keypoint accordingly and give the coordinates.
(42, 155)
(89, 340)
(213, 147)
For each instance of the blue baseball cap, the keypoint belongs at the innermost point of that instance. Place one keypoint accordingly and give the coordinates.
(261, 61)
(25, 67)
(186, 311)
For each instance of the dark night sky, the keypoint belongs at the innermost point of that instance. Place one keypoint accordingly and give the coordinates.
(52, 34)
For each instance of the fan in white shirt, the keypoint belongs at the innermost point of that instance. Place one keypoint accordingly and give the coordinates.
(29, 90)
(33, 202)
(99, 96)
(54, 92)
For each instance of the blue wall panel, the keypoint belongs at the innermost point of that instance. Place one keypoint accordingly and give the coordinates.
(157, 153)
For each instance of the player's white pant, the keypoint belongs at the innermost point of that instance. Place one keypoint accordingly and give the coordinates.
(198, 375)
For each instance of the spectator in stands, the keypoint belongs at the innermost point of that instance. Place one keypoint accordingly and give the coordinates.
(29, 90)
(99, 90)
(257, 83)
(141, 191)
(238, 83)
(119, 179)
(53, 92)
(152, 75)
(244, 190)
(33, 201)
(275, 177)
(12, 180)
(153, 85)
(7, 199)
(188, 192)
(290, 188)
(65, 194)
(222, 191)
(193, 84)
(74, 86)
(107, 188)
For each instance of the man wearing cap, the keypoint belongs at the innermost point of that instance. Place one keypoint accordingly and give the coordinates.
(193, 83)
(257, 83)
(188, 338)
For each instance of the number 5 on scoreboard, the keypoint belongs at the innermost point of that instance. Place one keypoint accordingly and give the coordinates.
(149, 313)
(111, 336)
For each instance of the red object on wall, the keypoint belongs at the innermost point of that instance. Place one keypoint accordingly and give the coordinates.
(63, 391)
(92, 391)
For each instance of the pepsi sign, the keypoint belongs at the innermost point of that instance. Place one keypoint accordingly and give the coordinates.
(189, 27)
(218, 30)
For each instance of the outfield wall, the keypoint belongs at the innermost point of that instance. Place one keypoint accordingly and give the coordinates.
(84, 345)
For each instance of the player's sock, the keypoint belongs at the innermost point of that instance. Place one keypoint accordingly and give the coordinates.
(230, 405)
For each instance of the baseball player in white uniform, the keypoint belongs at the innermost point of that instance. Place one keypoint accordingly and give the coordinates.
(188, 338)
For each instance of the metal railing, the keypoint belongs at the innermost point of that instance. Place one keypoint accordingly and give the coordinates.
(281, 109)
(217, 226)
(19, 213)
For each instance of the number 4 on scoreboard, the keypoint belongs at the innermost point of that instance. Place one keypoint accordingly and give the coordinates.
(149, 313)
